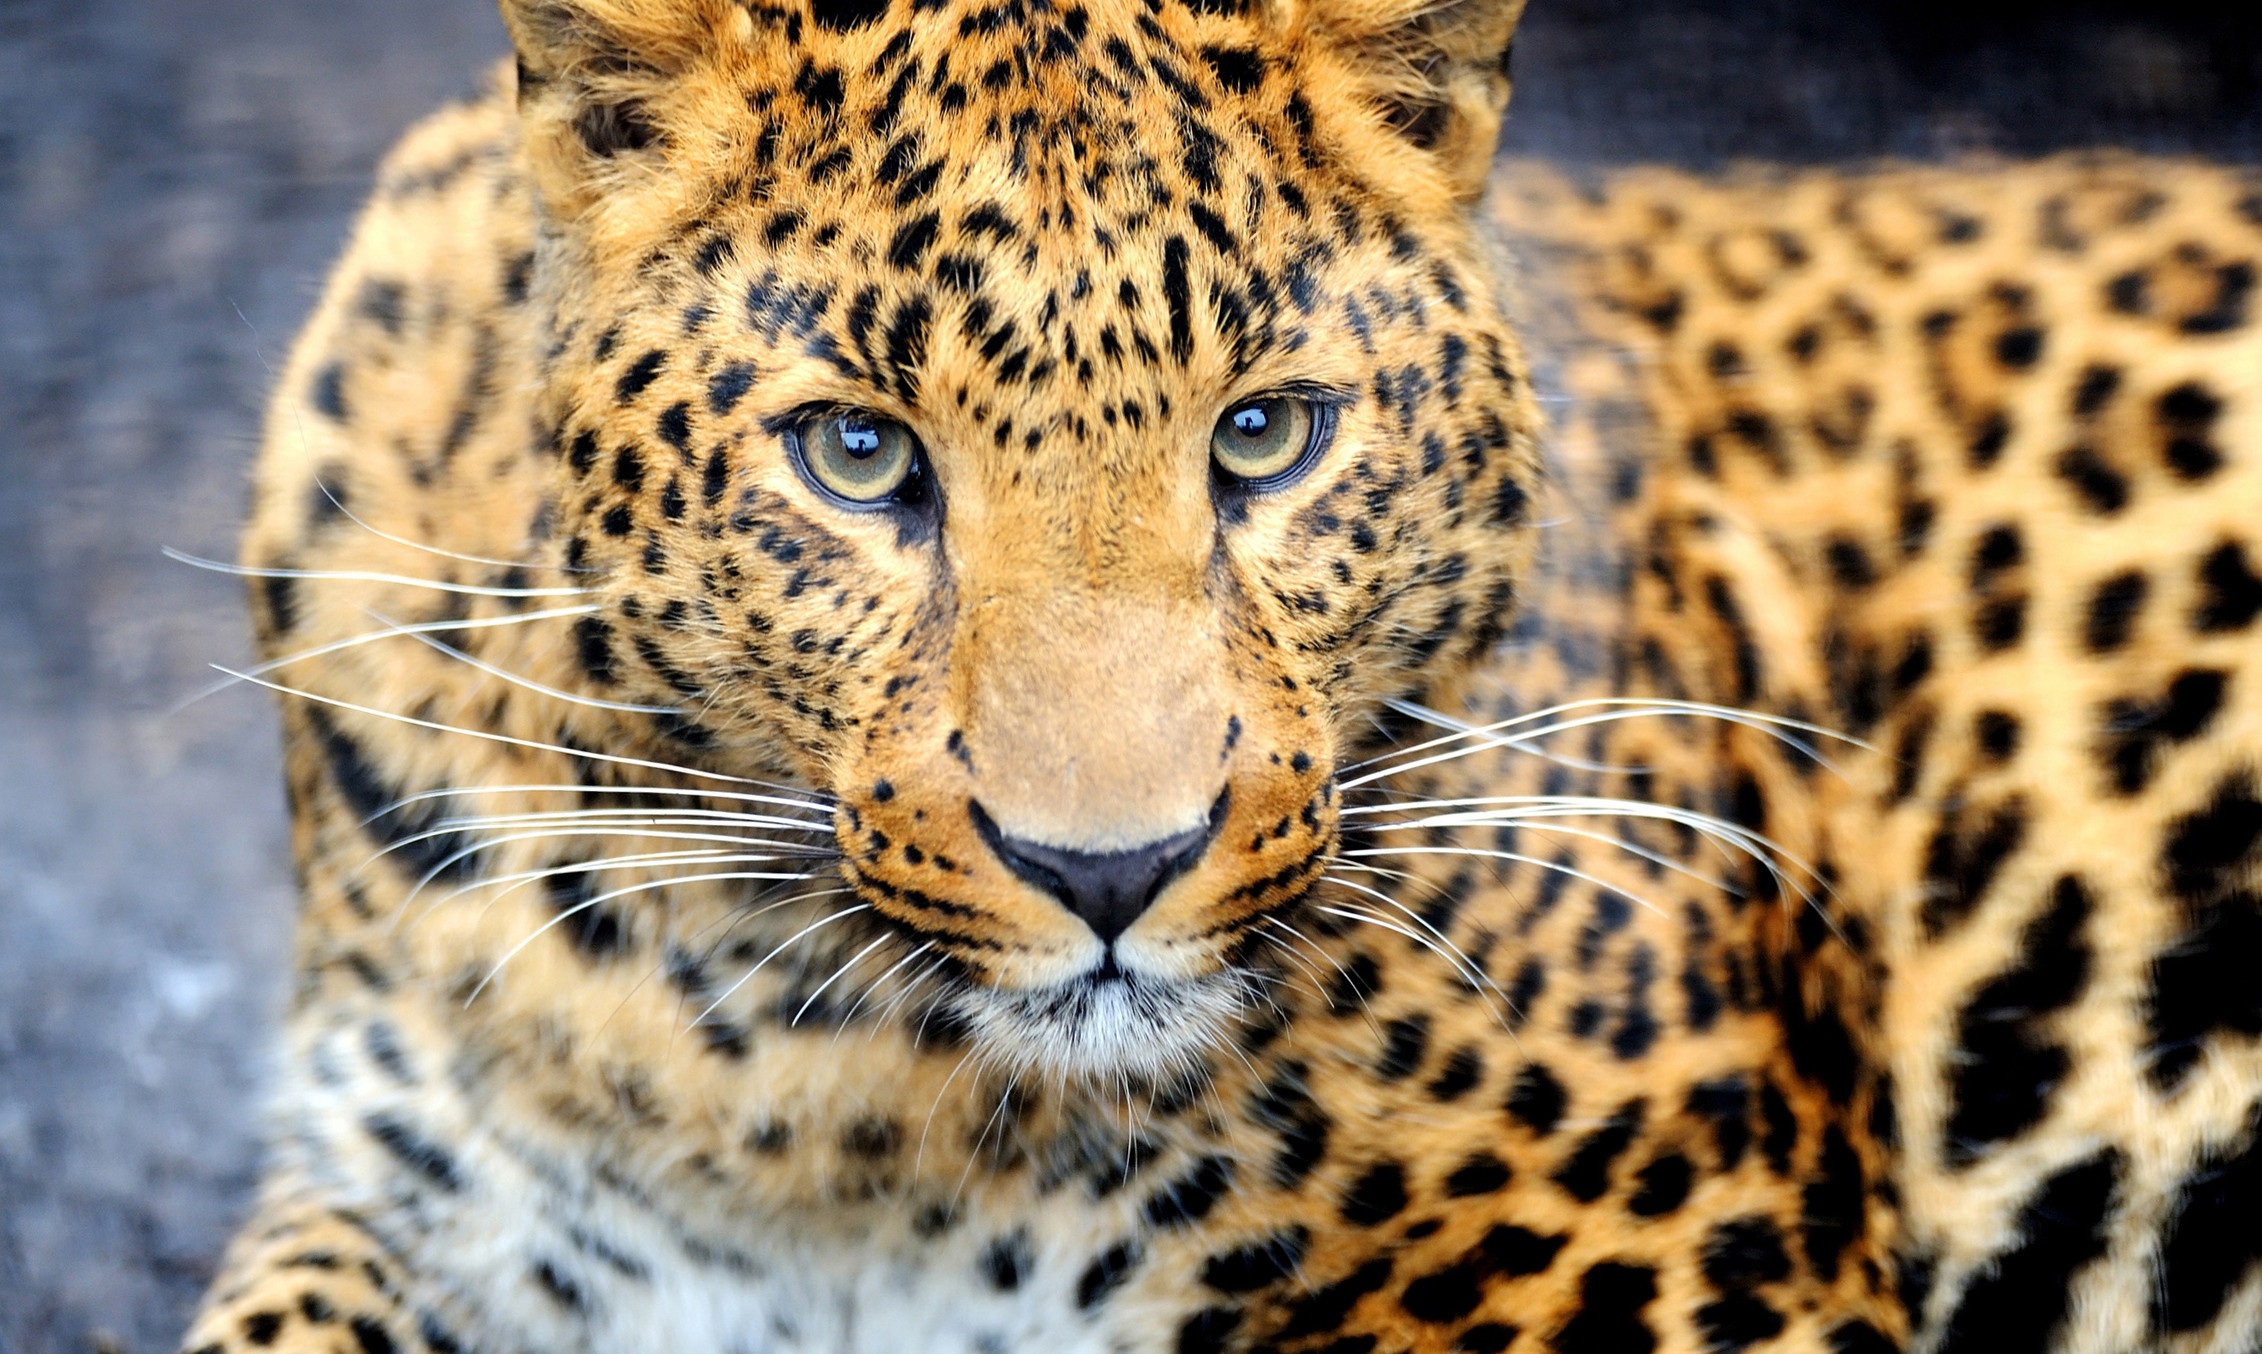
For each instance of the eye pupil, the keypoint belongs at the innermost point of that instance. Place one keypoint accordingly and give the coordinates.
(1264, 442)
(859, 438)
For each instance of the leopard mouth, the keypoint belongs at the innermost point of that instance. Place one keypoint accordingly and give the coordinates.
(1109, 1022)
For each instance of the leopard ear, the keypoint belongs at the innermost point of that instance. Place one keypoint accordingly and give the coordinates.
(596, 79)
(1438, 70)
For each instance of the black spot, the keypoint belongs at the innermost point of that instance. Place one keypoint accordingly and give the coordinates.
(1849, 563)
(1107, 1272)
(2019, 348)
(872, 1139)
(1178, 293)
(1376, 1196)
(1661, 1187)
(1997, 732)
(1285, 1106)
(1326, 1308)
(2103, 489)
(1966, 851)
(1208, 1331)
(1859, 1337)
(1259, 1264)
(261, 1328)
(2202, 983)
(2208, 851)
(2210, 1240)
(1006, 1261)
(1727, 1104)
(1482, 1173)
(1404, 1042)
(1782, 1134)
(2230, 594)
(2112, 612)
(595, 931)
(370, 1337)
(375, 801)
(1537, 1099)
(2098, 385)
(1462, 1071)
(912, 241)
(639, 375)
(415, 1151)
(1611, 1297)
(1586, 1176)
(2006, 1065)
(1487, 1338)
(1239, 69)
(2138, 732)
(1190, 1198)
(839, 16)
(2017, 1305)
(1831, 1214)
(330, 392)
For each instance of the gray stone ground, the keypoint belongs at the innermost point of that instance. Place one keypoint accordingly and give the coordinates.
(174, 177)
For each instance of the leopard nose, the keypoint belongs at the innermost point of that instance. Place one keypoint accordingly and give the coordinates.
(1108, 889)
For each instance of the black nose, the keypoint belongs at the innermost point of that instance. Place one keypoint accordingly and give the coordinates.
(1108, 889)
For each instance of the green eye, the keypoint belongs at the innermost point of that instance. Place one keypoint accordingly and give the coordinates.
(863, 458)
(1258, 442)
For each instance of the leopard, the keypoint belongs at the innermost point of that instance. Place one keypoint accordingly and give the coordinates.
(1056, 675)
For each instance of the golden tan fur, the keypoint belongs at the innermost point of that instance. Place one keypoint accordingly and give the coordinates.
(1432, 1052)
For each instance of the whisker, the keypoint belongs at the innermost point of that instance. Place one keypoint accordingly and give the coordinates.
(1376, 919)
(1615, 708)
(528, 683)
(874, 985)
(838, 973)
(413, 722)
(661, 817)
(748, 976)
(1522, 811)
(366, 576)
(602, 898)
(783, 799)
(1556, 866)
(1551, 830)
(394, 631)
(505, 885)
(791, 849)
(1468, 968)
(349, 514)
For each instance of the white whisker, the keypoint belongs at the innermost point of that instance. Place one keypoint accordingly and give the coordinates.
(367, 576)
(350, 516)
(413, 722)
(838, 973)
(602, 898)
(528, 683)
(783, 800)
(748, 976)
(392, 632)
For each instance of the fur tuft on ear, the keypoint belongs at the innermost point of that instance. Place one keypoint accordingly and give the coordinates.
(569, 39)
(1439, 69)
(594, 78)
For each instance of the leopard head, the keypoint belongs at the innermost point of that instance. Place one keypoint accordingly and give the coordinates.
(1049, 428)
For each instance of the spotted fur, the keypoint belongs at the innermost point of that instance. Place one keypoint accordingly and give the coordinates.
(1866, 824)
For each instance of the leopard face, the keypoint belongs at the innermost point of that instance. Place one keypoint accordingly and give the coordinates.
(1048, 429)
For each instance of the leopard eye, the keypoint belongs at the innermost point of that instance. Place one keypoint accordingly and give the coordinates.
(863, 459)
(1260, 444)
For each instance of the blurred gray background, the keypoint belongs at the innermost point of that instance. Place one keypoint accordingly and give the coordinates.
(175, 176)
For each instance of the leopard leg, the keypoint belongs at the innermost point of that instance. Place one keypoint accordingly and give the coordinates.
(303, 1277)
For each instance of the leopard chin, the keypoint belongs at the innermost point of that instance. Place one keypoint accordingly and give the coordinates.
(1109, 1025)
